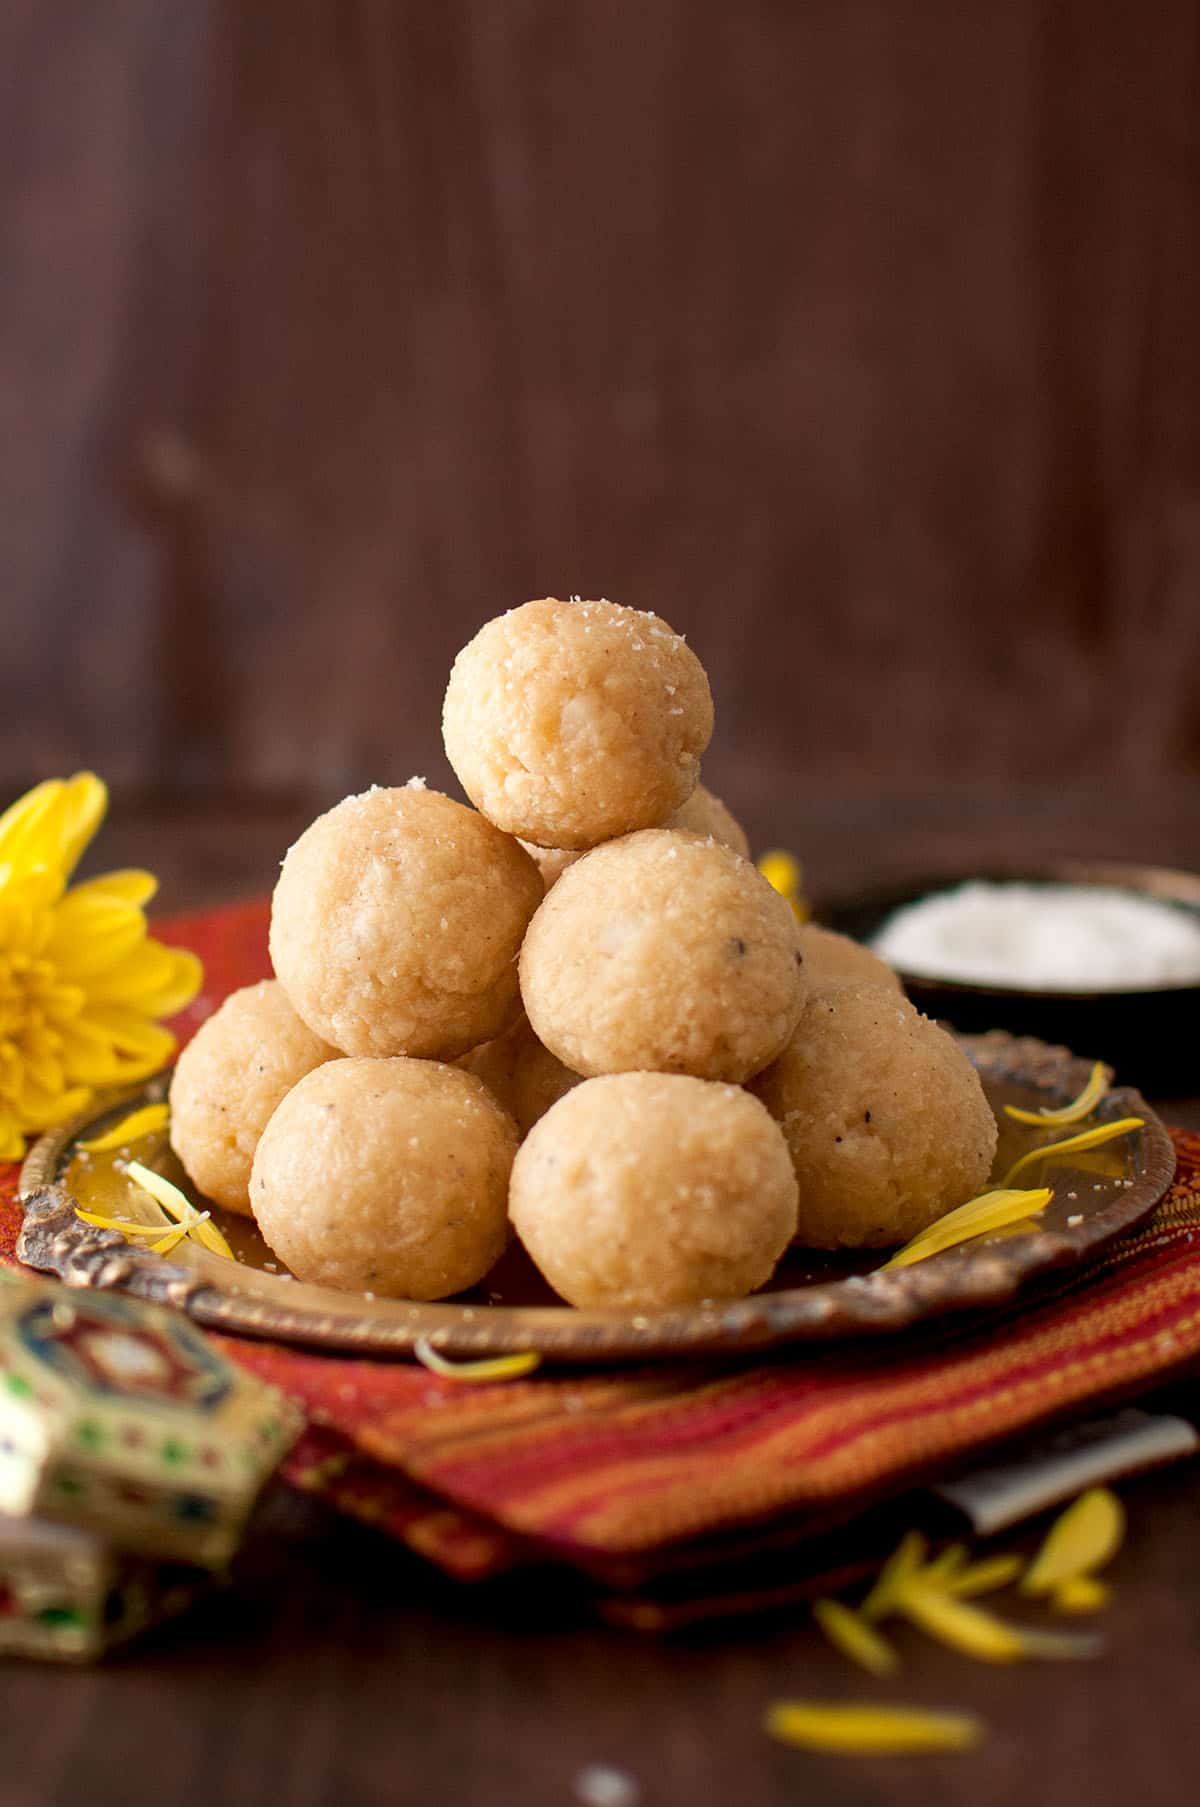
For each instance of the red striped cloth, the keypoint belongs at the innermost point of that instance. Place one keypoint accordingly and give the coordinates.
(691, 1470)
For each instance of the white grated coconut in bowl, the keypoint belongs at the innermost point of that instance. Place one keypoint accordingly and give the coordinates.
(1044, 937)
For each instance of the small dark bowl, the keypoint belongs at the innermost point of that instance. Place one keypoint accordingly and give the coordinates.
(1150, 1036)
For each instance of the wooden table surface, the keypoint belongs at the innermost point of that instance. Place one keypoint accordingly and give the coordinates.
(339, 1669)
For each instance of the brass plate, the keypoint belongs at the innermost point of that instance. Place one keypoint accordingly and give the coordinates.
(812, 1297)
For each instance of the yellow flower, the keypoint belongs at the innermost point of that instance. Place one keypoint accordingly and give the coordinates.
(82, 983)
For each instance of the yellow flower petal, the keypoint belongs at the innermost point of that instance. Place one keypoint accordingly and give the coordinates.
(1080, 1593)
(179, 1206)
(904, 1562)
(129, 885)
(26, 910)
(12, 1140)
(942, 1570)
(154, 980)
(984, 1577)
(40, 1110)
(89, 1056)
(29, 827)
(500, 1367)
(850, 1633)
(146, 1122)
(980, 1634)
(965, 1628)
(171, 1240)
(132, 1034)
(981, 1216)
(99, 1221)
(85, 800)
(1088, 1138)
(869, 1731)
(1076, 1111)
(1083, 1538)
(91, 934)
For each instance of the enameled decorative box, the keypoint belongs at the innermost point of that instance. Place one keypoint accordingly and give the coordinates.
(124, 1419)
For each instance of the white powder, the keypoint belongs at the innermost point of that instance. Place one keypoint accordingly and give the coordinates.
(600, 1785)
(1044, 937)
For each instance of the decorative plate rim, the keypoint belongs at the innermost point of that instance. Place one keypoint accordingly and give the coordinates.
(275, 1307)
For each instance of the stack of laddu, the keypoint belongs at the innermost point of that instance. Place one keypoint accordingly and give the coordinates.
(576, 1010)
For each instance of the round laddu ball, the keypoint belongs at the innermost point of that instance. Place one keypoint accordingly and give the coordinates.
(705, 814)
(552, 862)
(885, 1117)
(652, 1189)
(571, 722)
(495, 1062)
(396, 923)
(539, 1080)
(235, 1070)
(831, 959)
(386, 1176)
(663, 952)
(702, 814)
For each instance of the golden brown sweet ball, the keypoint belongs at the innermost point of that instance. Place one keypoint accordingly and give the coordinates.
(571, 722)
(663, 952)
(551, 862)
(396, 923)
(228, 1080)
(539, 1079)
(495, 1062)
(651, 1189)
(702, 814)
(386, 1176)
(705, 814)
(885, 1117)
(831, 959)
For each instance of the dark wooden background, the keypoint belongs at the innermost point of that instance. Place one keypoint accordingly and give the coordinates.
(858, 338)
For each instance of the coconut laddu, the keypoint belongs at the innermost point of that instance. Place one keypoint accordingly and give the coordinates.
(663, 952)
(568, 723)
(643, 1190)
(387, 1176)
(396, 922)
(884, 1115)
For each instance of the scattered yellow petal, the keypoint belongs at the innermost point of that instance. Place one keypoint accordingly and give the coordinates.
(1060, 1646)
(1080, 1593)
(904, 1562)
(100, 1222)
(850, 1633)
(1076, 1111)
(146, 1122)
(869, 1731)
(1025, 1227)
(1081, 1539)
(784, 874)
(499, 1367)
(980, 1634)
(177, 1205)
(171, 1240)
(981, 1216)
(1088, 1138)
(945, 1565)
(966, 1628)
(984, 1577)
